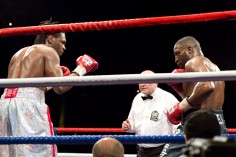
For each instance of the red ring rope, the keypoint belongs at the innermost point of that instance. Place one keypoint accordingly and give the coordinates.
(89, 130)
(116, 24)
(230, 130)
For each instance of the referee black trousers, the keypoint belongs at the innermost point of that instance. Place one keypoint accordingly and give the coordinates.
(149, 152)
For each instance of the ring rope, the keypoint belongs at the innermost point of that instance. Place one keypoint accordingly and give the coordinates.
(91, 139)
(232, 130)
(120, 79)
(117, 24)
(60, 130)
(111, 130)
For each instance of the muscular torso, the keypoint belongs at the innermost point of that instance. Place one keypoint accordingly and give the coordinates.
(216, 98)
(29, 62)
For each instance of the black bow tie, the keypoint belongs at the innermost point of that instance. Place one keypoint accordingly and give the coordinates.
(146, 97)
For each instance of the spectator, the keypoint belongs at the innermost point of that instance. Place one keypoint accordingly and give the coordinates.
(198, 124)
(108, 147)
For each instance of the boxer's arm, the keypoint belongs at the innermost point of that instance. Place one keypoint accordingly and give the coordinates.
(65, 71)
(202, 90)
(53, 69)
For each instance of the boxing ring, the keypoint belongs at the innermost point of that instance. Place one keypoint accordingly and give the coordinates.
(102, 80)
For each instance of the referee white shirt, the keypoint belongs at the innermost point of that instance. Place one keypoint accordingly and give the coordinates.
(148, 117)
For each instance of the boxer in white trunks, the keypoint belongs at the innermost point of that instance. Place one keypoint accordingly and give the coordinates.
(23, 111)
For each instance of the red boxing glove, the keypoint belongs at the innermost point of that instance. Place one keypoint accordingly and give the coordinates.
(65, 71)
(174, 113)
(85, 64)
(178, 87)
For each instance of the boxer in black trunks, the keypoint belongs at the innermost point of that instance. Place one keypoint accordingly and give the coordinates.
(196, 95)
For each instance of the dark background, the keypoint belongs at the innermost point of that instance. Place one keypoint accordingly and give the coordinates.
(122, 51)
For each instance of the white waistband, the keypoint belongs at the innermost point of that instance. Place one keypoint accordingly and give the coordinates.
(29, 92)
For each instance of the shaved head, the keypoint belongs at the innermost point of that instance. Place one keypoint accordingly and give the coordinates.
(147, 88)
(147, 72)
(108, 147)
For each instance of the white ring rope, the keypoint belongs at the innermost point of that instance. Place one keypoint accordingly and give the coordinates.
(120, 79)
